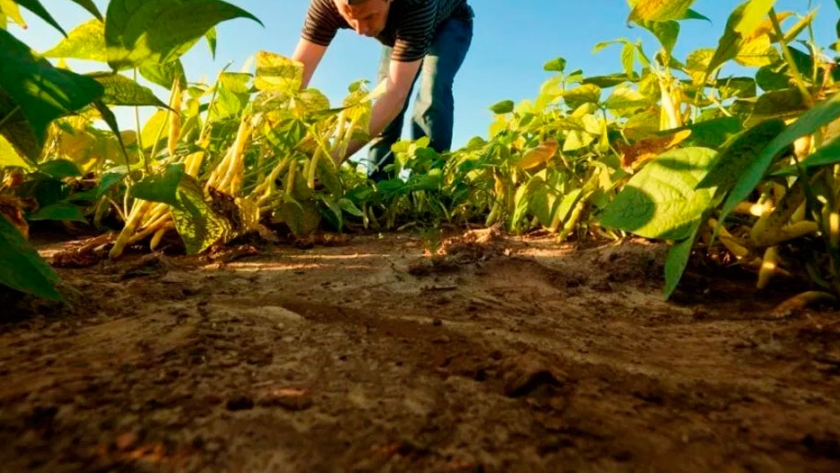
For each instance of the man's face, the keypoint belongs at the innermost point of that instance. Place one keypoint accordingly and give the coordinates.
(367, 18)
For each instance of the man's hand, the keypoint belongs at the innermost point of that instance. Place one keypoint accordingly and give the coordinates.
(400, 78)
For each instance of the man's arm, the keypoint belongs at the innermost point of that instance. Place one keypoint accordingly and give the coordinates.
(400, 77)
(310, 55)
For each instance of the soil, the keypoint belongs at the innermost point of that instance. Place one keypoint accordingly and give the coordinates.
(371, 353)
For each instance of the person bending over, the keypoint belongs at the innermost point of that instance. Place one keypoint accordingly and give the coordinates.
(422, 39)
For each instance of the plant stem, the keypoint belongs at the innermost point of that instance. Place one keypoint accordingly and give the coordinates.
(9, 116)
(797, 76)
(140, 134)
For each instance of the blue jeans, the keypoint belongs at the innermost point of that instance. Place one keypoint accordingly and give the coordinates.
(434, 106)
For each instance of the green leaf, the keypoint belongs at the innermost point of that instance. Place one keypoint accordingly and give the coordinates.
(822, 114)
(695, 15)
(628, 58)
(500, 108)
(63, 211)
(741, 23)
(348, 206)
(786, 103)
(212, 40)
(42, 91)
(677, 259)
(555, 65)
(90, 7)
(611, 80)
(22, 268)
(197, 224)
(107, 182)
(658, 10)
(661, 201)
(740, 87)
(827, 155)
(38, 9)
(161, 187)
(164, 74)
(738, 153)
(302, 216)
(712, 133)
(60, 169)
(9, 158)
(120, 90)
(139, 32)
(666, 32)
(86, 41)
(233, 95)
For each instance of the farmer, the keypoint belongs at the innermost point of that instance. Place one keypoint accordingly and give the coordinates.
(422, 38)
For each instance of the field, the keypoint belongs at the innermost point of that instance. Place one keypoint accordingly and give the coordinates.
(632, 272)
(512, 354)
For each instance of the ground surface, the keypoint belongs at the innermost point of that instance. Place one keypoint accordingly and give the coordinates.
(508, 355)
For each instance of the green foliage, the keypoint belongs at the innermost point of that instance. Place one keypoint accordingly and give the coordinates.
(140, 32)
(667, 148)
(661, 201)
(21, 267)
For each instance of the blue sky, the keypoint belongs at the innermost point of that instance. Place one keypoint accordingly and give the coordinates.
(512, 41)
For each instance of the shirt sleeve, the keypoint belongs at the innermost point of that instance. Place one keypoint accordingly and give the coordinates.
(415, 32)
(322, 22)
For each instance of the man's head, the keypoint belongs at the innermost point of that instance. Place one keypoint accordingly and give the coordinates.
(367, 17)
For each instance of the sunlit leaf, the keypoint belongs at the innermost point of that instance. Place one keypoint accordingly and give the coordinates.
(555, 65)
(739, 27)
(10, 9)
(757, 52)
(624, 97)
(86, 41)
(139, 32)
(659, 10)
(661, 201)
(120, 90)
(586, 93)
(9, 158)
(278, 73)
(164, 75)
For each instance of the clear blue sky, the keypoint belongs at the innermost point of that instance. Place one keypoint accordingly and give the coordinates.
(512, 41)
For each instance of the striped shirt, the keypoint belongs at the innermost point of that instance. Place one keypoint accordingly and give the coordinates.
(409, 30)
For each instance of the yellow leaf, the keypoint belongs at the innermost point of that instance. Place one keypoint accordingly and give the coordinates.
(757, 52)
(539, 155)
(11, 10)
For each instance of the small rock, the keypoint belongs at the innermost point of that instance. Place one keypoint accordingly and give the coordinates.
(527, 372)
(442, 339)
(127, 440)
(289, 399)
(240, 403)
(437, 322)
